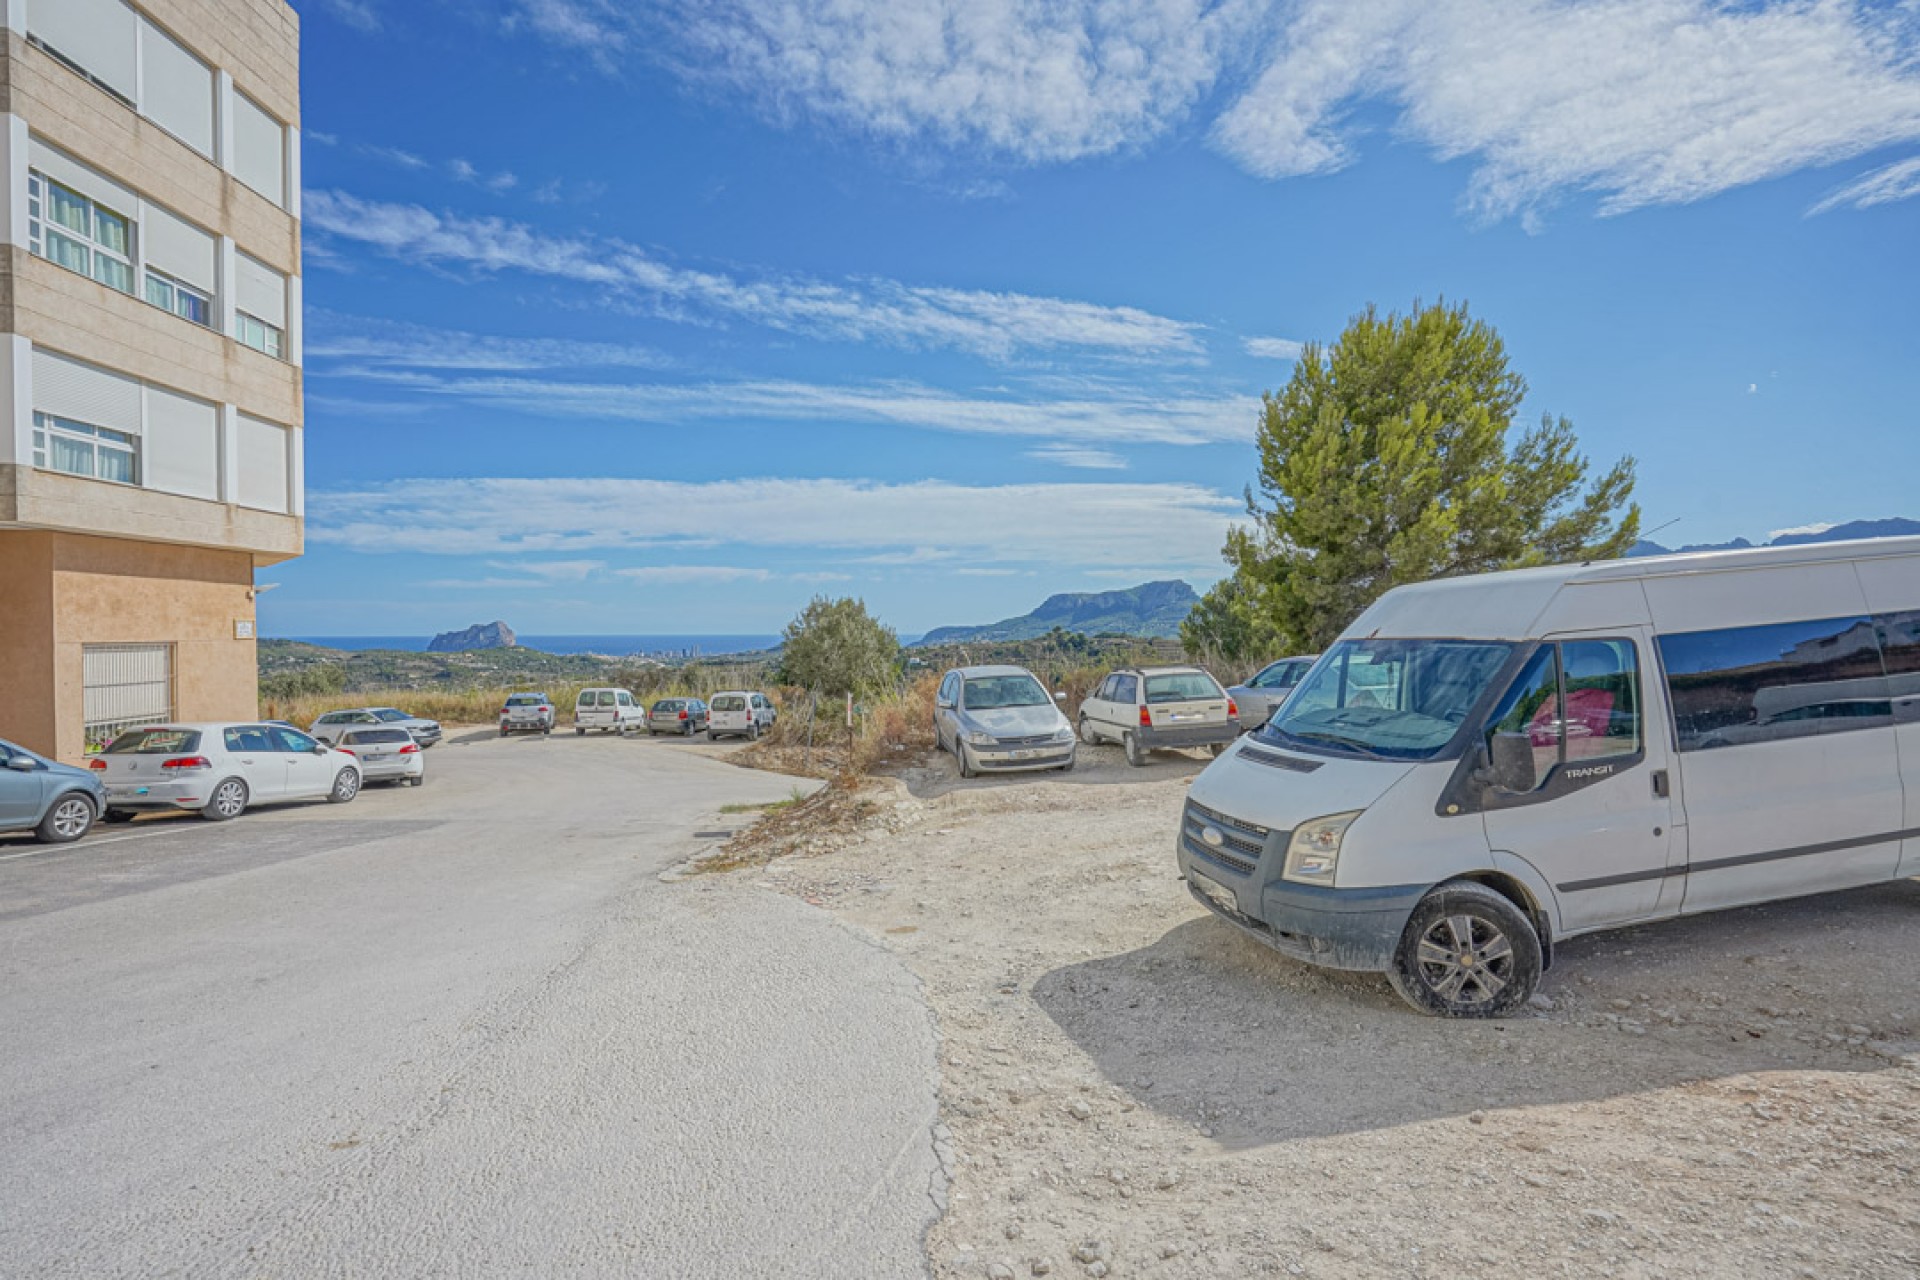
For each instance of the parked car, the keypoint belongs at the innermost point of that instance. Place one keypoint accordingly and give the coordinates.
(55, 801)
(1001, 720)
(1483, 767)
(386, 755)
(740, 714)
(678, 715)
(614, 710)
(526, 713)
(1147, 708)
(220, 770)
(1261, 696)
(330, 726)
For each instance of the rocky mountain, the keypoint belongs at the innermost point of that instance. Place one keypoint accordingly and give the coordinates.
(1151, 609)
(1896, 527)
(481, 635)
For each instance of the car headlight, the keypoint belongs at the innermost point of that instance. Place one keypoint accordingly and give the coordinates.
(1313, 852)
(1063, 734)
(979, 739)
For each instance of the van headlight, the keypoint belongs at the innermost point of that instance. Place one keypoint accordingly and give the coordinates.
(1313, 852)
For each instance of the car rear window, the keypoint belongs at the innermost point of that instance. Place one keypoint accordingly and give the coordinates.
(527, 700)
(1183, 686)
(670, 704)
(729, 702)
(154, 742)
(373, 737)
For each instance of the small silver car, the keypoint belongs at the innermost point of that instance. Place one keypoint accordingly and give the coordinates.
(330, 726)
(740, 713)
(677, 715)
(1000, 720)
(386, 755)
(1261, 696)
(526, 713)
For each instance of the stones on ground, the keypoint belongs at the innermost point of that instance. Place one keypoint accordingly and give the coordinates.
(1541, 1001)
(1167, 1180)
(1090, 1251)
(1600, 1217)
(1096, 1269)
(1079, 1110)
(1042, 1266)
(1013, 1231)
(999, 1271)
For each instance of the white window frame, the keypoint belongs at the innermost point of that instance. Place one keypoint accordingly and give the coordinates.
(47, 427)
(40, 227)
(251, 331)
(175, 290)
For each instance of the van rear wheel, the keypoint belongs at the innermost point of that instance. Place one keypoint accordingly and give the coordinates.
(1467, 952)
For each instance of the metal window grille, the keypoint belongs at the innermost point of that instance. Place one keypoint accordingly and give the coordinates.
(125, 685)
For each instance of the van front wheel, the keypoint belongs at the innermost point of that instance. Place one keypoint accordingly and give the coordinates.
(1467, 952)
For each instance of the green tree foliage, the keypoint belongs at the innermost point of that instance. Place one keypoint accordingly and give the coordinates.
(322, 680)
(836, 647)
(1232, 624)
(1385, 460)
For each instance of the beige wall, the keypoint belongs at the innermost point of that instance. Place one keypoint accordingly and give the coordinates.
(111, 591)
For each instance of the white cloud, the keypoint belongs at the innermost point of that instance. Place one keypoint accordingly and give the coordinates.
(984, 322)
(1899, 181)
(1801, 530)
(1753, 388)
(484, 584)
(358, 14)
(335, 336)
(554, 570)
(1068, 455)
(1109, 419)
(498, 183)
(394, 156)
(1643, 102)
(1274, 348)
(678, 574)
(1054, 524)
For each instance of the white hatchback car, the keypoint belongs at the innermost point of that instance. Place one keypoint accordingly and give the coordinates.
(741, 714)
(386, 754)
(220, 770)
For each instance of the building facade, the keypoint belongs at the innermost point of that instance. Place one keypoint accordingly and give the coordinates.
(150, 338)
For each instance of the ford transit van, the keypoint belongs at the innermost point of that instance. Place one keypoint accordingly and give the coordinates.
(1480, 768)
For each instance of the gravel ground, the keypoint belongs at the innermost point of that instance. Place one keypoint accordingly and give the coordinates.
(1132, 1088)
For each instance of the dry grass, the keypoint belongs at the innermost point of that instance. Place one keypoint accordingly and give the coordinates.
(889, 732)
(474, 706)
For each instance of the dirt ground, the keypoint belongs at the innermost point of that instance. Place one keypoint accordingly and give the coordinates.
(1132, 1088)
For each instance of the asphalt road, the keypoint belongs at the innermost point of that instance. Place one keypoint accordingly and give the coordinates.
(459, 1030)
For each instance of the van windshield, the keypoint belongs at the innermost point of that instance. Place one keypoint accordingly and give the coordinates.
(1387, 699)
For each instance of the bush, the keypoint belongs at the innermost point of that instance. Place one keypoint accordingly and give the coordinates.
(835, 647)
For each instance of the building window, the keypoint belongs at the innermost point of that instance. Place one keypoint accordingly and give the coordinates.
(66, 227)
(61, 444)
(183, 300)
(260, 335)
(123, 686)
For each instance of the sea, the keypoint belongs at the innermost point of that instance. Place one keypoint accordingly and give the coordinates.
(612, 646)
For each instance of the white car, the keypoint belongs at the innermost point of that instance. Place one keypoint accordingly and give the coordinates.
(1147, 708)
(613, 709)
(330, 726)
(220, 770)
(386, 754)
(740, 714)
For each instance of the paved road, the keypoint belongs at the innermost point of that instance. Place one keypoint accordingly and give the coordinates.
(459, 1030)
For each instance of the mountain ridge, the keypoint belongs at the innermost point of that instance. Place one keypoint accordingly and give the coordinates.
(1154, 609)
(1892, 527)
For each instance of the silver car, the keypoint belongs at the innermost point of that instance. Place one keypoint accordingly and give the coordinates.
(329, 727)
(1001, 720)
(1261, 696)
(386, 754)
(526, 713)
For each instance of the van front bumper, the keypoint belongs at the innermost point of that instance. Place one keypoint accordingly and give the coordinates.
(1356, 929)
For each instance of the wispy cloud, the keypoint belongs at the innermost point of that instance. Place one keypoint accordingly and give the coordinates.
(980, 321)
(484, 584)
(554, 570)
(1069, 455)
(394, 156)
(1899, 181)
(1109, 419)
(679, 574)
(358, 14)
(1801, 530)
(1058, 524)
(499, 183)
(375, 342)
(1274, 348)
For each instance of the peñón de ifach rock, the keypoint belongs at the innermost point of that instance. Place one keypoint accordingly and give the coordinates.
(481, 635)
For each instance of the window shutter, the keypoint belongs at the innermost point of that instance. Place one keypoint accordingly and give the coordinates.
(260, 291)
(259, 150)
(181, 452)
(91, 183)
(99, 36)
(263, 464)
(69, 389)
(180, 249)
(177, 90)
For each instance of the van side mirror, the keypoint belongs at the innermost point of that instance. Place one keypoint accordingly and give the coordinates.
(1510, 762)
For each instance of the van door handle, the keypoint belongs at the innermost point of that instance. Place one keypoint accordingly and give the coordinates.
(1660, 787)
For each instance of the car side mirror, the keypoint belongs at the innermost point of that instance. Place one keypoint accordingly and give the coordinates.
(321, 749)
(21, 764)
(1510, 762)
(1059, 695)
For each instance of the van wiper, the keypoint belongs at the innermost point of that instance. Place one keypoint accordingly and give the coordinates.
(1339, 740)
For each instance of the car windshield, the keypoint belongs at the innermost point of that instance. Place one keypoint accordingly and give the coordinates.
(369, 737)
(1387, 699)
(154, 742)
(669, 704)
(389, 715)
(527, 700)
(990, 693)
(1181, 686)
(729, 702)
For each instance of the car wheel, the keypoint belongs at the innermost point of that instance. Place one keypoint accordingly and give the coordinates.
(70, 818)
(229, 800)
(418, 780)
(966, 760)
(579, 732)
(1467, 952)
(346, 785)
(753, 732)
(1087, 735)
(546, 730)
(117, 816)
(503, 731)
(1136, 754)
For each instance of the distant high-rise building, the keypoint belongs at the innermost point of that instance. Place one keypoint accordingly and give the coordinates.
(150, 385)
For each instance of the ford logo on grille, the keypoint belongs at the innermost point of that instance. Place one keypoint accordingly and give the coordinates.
(1214, 837)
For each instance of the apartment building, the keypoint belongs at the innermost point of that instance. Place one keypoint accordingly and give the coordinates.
(150, 387)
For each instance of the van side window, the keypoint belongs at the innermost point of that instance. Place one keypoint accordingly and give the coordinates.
(1900, 647)
(1783, 680)
(1532, 709)
(1602, 716)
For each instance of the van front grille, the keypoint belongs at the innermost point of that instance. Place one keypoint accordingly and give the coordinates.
(1241, 843)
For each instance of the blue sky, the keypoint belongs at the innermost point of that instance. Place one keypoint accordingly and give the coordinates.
(664, 317)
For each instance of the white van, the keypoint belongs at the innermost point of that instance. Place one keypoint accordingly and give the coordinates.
(615, 709)
(1482, 767)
